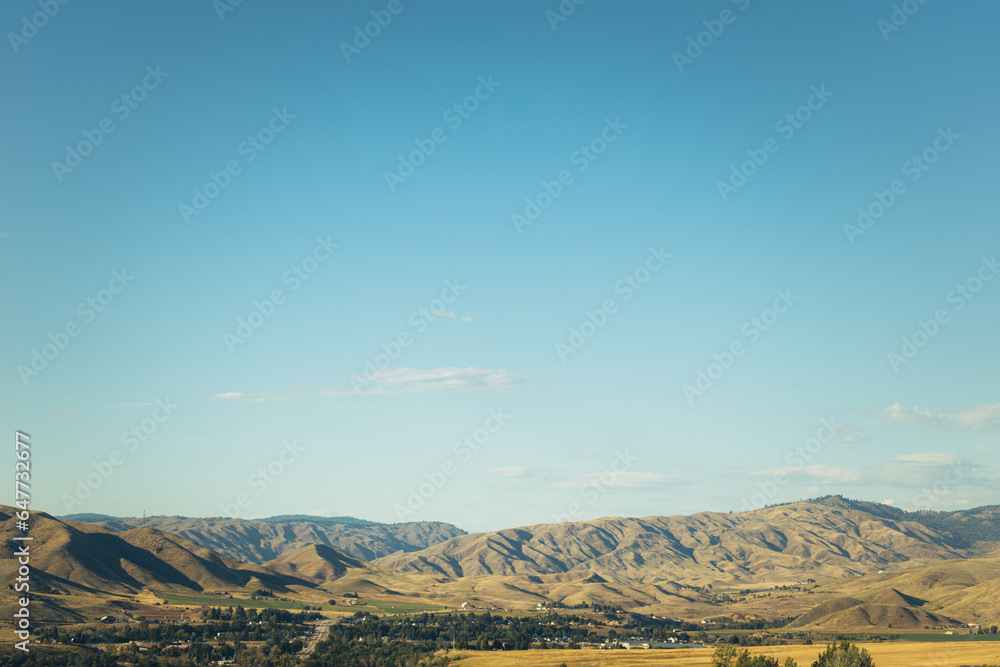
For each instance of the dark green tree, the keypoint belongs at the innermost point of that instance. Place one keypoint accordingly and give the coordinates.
(844, 654)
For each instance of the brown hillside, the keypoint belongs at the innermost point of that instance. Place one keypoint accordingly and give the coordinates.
(824, 610)
(102, 561)
(784, 543)
(257, 541)
(882, 616)
(317, 561)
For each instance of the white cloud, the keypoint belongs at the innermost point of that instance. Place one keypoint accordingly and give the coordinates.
(627, 479)
(250, 398)
(395, 382)
(401, 381)
(325, 513)
(932, 458)
(979, 418)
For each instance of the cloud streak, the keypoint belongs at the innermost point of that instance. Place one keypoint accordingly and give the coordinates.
(979, 418)
(627, 479)
(400, 382)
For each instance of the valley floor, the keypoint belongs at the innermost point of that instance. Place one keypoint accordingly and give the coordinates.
(892, 654)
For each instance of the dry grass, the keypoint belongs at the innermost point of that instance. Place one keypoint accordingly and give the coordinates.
(897, 654)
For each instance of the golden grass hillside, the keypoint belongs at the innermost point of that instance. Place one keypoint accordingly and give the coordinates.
(783, 543)
(896, 654)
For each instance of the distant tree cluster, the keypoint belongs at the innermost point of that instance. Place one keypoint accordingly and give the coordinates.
(730, 656)
(836, 655)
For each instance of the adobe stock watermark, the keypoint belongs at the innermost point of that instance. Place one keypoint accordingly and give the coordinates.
(454, 116)
(264, 309)
(419, 321)
(899, 17)
(264, 477)
(87, 310)
(795, 461)
(131, 439)
(931, 497)
(122, 107)
(597, 485)
(915, 167)
(248, 150)
(463, 450)
(562, 12)
(223, 7)
(581, 158)
(926, 330)
(751, 330)
(787, 126)
(364, 34)
(697, 44)
(628, 286)
(30, 25)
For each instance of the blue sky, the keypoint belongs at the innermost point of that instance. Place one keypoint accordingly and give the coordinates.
(343, 195)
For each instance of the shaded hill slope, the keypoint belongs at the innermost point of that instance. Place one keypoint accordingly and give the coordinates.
(92, 558)
(258, 541)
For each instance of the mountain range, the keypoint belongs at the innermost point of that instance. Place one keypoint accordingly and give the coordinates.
(261, 540)
(828, 563)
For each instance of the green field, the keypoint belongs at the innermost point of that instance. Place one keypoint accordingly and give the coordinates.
(224, 601)
(387, 607)
(384, 607)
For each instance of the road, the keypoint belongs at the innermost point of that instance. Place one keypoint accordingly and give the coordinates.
(320, 630)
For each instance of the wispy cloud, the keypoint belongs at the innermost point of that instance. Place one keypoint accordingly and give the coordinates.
(251, 398)
(395, 382)
(399, 382)
(914, 471)
(828, 474)
(930, 458)
(627, 479)
(508, 471)
(323, 513)
(979, 418)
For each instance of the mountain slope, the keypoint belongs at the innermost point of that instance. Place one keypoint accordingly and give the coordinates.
(976, 529)
(963, 588)
(784, 543)
(317, 561)
(258, 541)
(89, 557)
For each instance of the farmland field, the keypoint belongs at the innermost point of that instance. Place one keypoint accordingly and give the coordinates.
(892, 654)
(938, 637)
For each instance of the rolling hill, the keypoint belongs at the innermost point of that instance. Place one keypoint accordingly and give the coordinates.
(258, 541)
(316, 561)
(830, 564)
(976, 530)
(966, 589)
(89, 557)
(779, 544)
